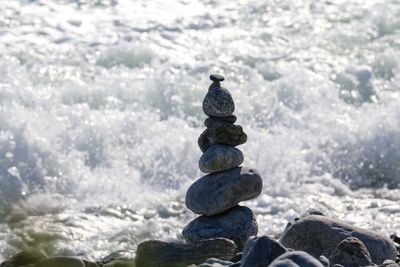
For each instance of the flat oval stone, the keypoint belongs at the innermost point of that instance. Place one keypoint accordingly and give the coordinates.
(211, 120)
(237, 224)
(220, 158)
(223, 133)
(156, 253)
(220, 191)
(60, 262)
(320, 235)
(218, 102)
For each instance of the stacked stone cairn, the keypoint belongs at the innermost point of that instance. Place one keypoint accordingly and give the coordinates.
(216, 195)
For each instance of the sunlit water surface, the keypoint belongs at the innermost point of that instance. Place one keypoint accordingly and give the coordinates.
(100, 110)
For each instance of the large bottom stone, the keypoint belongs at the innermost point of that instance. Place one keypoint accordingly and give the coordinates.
(320, 235)
(217, 192)
(155, 253)
(237, 224)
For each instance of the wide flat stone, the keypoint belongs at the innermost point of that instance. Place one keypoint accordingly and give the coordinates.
(237, 224)
(223, 133)
(218, 101)
(220, 158)
(320, 235)
(220, 191)
(261, 251)
(212, 120)
(156, 253)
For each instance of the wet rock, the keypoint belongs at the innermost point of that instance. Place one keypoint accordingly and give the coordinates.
(213, 120)
(215, 263)
(223, 133)
(320, 235)
(261, 251)
(324, 260)
(218, 192)
(23, 258)
(296, 259)
(236, 224)
(60, 262)
(389, 263)
(220, 158)
(351, 252)
(161, 254)
(218, 101)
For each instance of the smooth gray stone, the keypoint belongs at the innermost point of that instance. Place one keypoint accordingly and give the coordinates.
(351, 252)
(220, 191)
(223, 133)
(237, 224)
(118, 259)
(220, 158)
(23, 258)
(296, 259)
(155, 253)
(218, 101)
(320, 235)
(261, 251)
(212, 120)
(217, 78)
(60, 262)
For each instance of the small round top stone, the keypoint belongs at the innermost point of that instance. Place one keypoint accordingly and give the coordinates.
(217, 78)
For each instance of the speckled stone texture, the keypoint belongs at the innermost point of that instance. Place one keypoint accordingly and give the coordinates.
(237, 224)
(223, 133)
(320, 235)
(218, 192)
(218, 101)
(220, 158)
(351, 252)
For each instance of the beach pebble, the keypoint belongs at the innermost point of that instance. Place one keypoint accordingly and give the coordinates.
(296, 259)
(223, 133)
(237, 224)
(351, 252)
(220, 158)
(23, 258)
(320, 235)
(156, 253)
(213, 262)
(218, 101)
(324, 260)
(212, 120)
(261, 251)
(389, 263)
(220, 191)
(60, 262)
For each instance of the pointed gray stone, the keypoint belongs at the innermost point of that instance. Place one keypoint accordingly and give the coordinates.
(351, 252)
(261, 251)
(296, 259)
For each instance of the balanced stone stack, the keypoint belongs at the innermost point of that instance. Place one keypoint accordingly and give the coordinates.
(216, 196)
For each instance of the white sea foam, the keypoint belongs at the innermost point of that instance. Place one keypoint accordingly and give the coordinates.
(100, 110)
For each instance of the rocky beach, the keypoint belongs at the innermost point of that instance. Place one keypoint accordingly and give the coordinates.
(110, 157)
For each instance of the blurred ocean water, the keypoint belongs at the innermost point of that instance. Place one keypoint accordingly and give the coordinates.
(100, 110)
